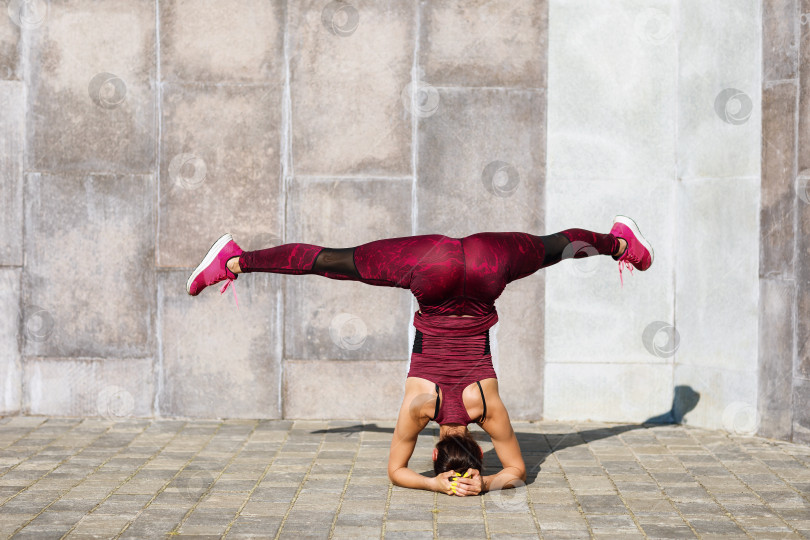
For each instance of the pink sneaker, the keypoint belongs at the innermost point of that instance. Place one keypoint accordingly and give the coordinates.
(639, 252)
(214, 269)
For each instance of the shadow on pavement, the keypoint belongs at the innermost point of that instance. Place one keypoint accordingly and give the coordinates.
(537, 446)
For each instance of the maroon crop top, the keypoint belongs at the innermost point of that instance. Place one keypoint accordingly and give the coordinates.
(452, 353)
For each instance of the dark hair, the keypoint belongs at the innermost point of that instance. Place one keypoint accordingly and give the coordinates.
(458, 453)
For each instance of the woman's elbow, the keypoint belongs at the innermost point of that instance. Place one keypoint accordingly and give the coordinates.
(392, 475)
(520, 473)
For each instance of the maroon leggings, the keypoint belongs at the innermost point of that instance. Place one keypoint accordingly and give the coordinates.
(448, 276)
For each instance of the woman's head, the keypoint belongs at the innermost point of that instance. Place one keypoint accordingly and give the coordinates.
(457, 452)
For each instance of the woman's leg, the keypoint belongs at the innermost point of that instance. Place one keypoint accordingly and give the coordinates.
(578, 244)
(525, 254)
(297, 259)
(387, 262)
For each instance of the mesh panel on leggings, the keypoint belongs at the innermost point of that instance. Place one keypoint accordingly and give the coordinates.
(337, 261)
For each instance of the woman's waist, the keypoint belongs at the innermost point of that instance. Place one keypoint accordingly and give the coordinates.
(451, 369)
(454, 327)
(448, 345)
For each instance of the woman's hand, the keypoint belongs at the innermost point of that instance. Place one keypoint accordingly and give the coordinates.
(472, 484)
(442, 484)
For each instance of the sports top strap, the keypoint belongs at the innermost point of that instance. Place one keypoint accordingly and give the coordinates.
(483, 399)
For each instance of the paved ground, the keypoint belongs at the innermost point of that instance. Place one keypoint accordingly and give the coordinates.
(97, 478)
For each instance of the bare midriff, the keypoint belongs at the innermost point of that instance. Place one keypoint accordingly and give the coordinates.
(420, 311)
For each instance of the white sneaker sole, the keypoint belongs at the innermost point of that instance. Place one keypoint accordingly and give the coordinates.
(208, 259)
(630, 224)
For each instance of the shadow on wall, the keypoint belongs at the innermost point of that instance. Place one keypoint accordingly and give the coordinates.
(533, 445)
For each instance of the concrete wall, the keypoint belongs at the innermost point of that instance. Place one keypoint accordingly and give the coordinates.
(134, 133)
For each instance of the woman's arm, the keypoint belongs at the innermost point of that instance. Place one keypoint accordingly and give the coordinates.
(409, 423)
(507, 448)
(499, 428)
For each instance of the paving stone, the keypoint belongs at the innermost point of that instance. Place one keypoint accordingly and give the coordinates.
(612, 522)
(715, 526)
(667, 531)
(409, 535)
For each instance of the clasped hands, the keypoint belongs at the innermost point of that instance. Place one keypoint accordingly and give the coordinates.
(452, 483)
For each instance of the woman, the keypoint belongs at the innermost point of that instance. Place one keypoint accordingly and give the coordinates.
(456, 281)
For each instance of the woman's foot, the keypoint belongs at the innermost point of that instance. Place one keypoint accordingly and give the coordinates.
(215, 266)
(638, 252)
(233, 265)
(620, 250)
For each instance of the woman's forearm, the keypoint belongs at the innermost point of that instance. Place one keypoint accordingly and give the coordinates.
(509, 477)
(405, 477)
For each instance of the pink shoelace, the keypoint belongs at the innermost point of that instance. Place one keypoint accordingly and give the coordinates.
(628, 264)
(229, 281)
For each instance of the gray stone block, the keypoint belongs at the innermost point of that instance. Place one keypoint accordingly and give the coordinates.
(220, 167)
(113, 388)
(778, 196)
(481, 162)
(776, 324)
(91, 82)
(717, 220)
(340, 319)
(10, 339)
(584, 296)
(482, 43)
(219, 360)
(596, 119)
(350, 64)
(801, 410)
(10, 24)
(225, 41)
(519, 347)
(802, 274)
(780, 44)
(359, 389)
(88, 282)
(720, 70)
(12, 139)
